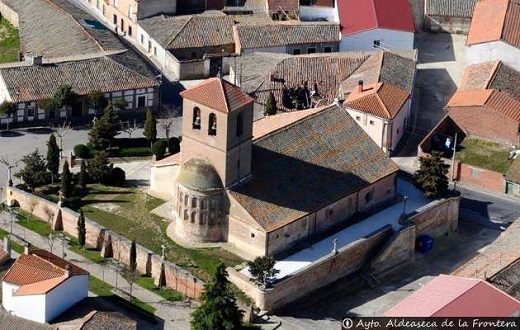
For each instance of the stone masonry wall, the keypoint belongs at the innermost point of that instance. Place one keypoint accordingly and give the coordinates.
(437, 218)
(148, 262)
(398, 251)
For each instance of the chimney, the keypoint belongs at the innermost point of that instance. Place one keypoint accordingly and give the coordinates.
(37, 60)
(27, 248)
(360, 86)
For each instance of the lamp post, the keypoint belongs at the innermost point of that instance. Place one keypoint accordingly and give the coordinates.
(50, 241)
(405, 198)
(186, 283)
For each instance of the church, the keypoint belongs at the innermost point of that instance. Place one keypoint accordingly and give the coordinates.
(268, 186)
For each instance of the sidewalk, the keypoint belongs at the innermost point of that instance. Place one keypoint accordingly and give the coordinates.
(175, 316)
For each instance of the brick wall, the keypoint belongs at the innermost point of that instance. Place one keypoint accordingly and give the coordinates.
(148, 262)
(486, 124)
(437, 218)
(479, 177)
(399, 250)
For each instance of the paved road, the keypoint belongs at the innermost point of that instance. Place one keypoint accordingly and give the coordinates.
(175, 315)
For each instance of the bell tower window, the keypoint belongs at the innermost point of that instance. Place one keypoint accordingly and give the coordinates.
(240, 124)
(196, 118)
(212, 122)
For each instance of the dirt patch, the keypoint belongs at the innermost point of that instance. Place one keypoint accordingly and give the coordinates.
(107, 207)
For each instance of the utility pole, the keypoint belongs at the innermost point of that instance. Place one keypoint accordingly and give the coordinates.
(453, 157)
(4, 160)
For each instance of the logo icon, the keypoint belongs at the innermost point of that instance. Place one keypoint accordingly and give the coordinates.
(347, 323)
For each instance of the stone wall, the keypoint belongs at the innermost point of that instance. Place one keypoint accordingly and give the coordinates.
(324, 271)
(477, 176)
(9, 14)
(399, 250)
(110, 243)
(437, 218)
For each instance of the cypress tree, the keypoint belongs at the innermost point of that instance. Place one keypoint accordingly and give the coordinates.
(431, 177)
(53, 157)
(133, 257)
(82, 231)
(270, 105)
(150, 127)
(66, 180)
(82, 179)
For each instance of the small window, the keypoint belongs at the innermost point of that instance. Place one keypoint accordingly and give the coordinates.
(194, 202)
(193, 56)
(398, 131)
(129, 30)
(238, 164)
(388, 191)
(311, 50)
(377, 43)
(142, 39)
(30, 112)
(186, 200)
(196, 118)
(358, 118)
(154, 51)
(193, 216)
(252, 235)
(240, 124)
(122, 25)
(186, 215)
(114, 19)
(368, 197)
(327, 49)
(203, 204)
(104, 11)
(296, 52)
(141, 101)
(212, 124)
(371, 122)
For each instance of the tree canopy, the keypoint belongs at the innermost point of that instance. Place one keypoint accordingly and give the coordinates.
(150, 126)
(262, 270)
(218, 309)
(270, 105)
(82, 231)
(104, 130)
(66, 180)
(99, 168)
(53, 156)
(34, 173)
(431, 176)
(64, 96)
(8, 109)
(96, 100)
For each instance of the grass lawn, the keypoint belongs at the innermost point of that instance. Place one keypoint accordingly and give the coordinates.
(126, 211)
(484, 154)
(9, 42)
(14, 245)
(168, 294)
(32, 223)
(103, 289)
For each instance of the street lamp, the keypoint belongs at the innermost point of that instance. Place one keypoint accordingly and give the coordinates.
(405, 198)
(50, 240)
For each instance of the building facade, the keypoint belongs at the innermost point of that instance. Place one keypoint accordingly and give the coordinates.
(452, 16)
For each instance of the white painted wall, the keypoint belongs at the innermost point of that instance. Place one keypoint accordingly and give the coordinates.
(372, 125)
(30, 307)
(390, 39)
(309, 13)
(65, 296)
(4, 93)
(398, 124)
(143, 46)
(494, 51)
(7, 296)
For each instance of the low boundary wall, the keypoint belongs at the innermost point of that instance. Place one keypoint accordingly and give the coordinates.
(108, 242)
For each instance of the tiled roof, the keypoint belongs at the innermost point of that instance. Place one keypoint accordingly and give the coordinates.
(273, 35)
(513, 172)
(495, 20)
(307, 165)
(450, 8)
(284, 5)
(109, 320)
(385, 67)
(453, 296)
(190, 31)
(268, 124)
(69, 32)
(381, 100)
(35, 82)
(39, 272)
(358, 16)
(217, 94)
(487, 99)
(11, 322)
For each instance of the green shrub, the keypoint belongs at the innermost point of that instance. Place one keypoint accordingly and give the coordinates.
(131, 142)
(81, 151)
(131, 152)
(159, 148)
(118, 177)
(174, 145)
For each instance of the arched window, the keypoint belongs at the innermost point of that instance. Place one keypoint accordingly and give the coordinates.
(186, 200)
(204, 218)
(212, 124)
(204, 204)
(240, 124)
(196, 118)
(193, 216)
(194, 202)
(186, 214)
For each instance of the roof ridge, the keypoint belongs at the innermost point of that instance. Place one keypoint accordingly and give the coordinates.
(189, 18)
(380, 66)
(126, 67)
(48, 261)
(223, 89)
(504, 21)
(494, 72)
(380, 99)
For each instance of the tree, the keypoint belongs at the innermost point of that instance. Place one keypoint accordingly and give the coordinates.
(218, 309)
(133, 256)
(82, 231)
(431, 177)
(82, 179)
(270, 105)
(150, 127)
(99, 168)
(104, 130)
(66, 180)
(97, 101)
(262, 270)
(8, 109)
(34, 173)
(53, 157)
(120, 103)
(64, 96)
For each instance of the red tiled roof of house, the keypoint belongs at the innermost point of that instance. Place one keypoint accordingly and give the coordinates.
(478, 76)
(381, 100)
(495, 20)
(358, 16)
(39, 272)
(489, 99)
(453, 296)
(217, 94)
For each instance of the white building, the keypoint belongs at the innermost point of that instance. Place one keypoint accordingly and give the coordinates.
(40, 286)
(369, 24)
(497, 41)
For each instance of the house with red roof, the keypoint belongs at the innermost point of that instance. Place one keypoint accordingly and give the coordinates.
(369, 24)
(453, 296)
(494, 34)
(39, 286)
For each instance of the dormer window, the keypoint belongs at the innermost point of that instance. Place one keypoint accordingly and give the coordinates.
(196, 118)
(212, 129)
